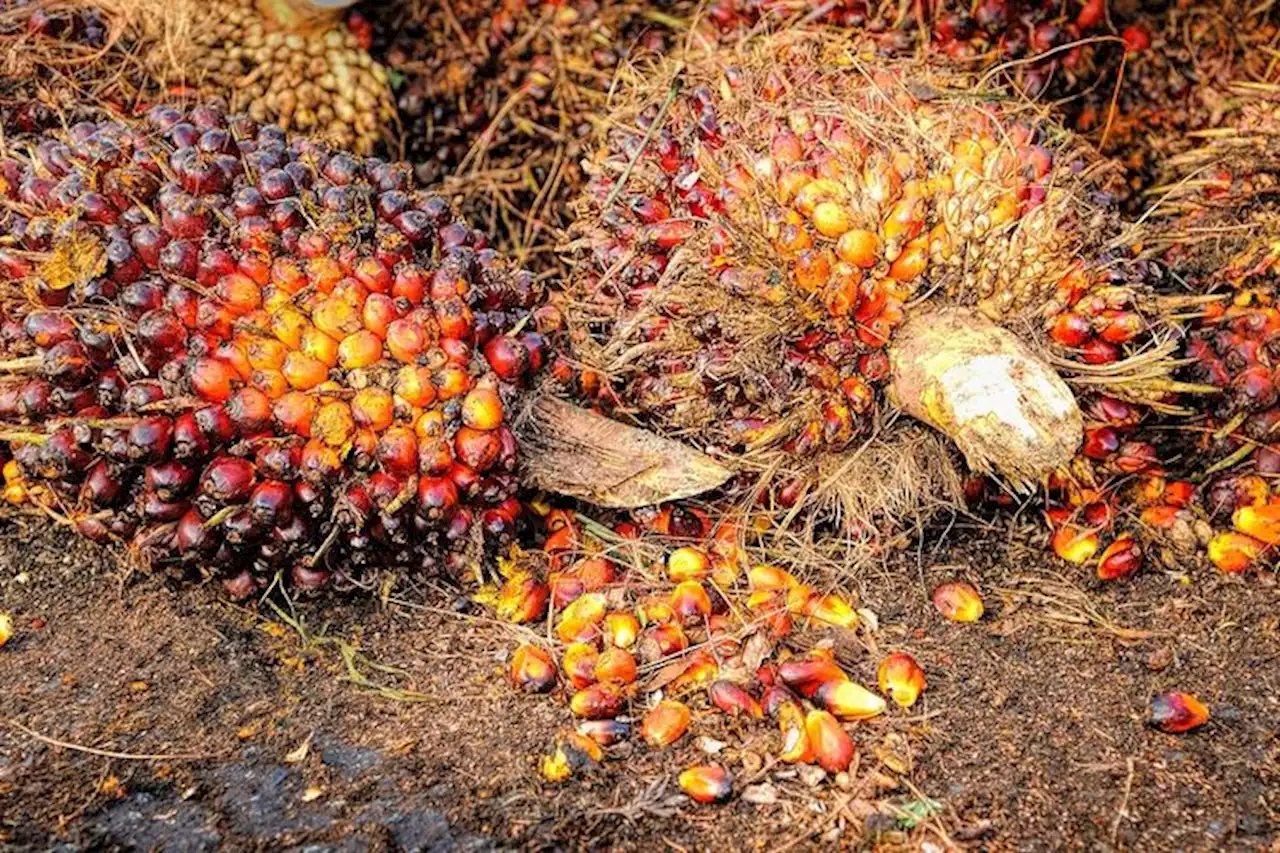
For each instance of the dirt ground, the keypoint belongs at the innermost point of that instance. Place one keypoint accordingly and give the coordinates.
(201, 725)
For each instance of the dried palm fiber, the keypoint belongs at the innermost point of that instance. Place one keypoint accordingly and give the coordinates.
(784, 246)
(500, 100)
(281, 61)
(247, 353)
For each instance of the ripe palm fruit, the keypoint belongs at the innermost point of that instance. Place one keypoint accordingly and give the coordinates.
(849, 700)
(734, 700)
(1177, 712)
(532, 669)
(807, 673)
(597, 702)
(665, 723)
(831, 745)
(196, 405)
(958, 601)
(1233, 552)
(615, 666)
(706, 783)
(779, 281)
(901, 679)
(579, 665)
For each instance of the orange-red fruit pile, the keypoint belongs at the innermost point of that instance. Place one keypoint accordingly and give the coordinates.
(710, 641)
(248, 352)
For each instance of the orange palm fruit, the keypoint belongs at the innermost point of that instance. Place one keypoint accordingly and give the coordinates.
(690, 603)
(522, 599)
(581, 617)
(707, 783)
(734, 700)
(665, 723)
(769, 578)
(849, 700)
(579, 665)
(687, 564)
(615, 666)
(1260, 522)
(1233, 552)
(702, 669)
(1178, 712)
(597, 702)
(1075, 544)
(833, 610)
(594, 572)
(901, 678)
(831, 745)
(858, 247)
(958, 601)
(661, 641)
(482, 409)
(621, 630)
(532, 669)
(1121, 559)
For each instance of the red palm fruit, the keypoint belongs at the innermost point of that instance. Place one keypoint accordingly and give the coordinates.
(958, 601)
(831, 745)
(228, 480)
(901, 679)
(579, 665)
(1100, 442)
(621, 630)
(1121, 559)
(508, 357)
(1135, 457)
(690, 603)
(320, 463)
(706, 783)
(1071, 329)
(250, 410)
(734, 700)
(809, 672)
(665, 723)
(615, 666)
(597, 702)
(397, 451)
(149, 439)
(605, 732)
(102, 486)
(437, 498)
(1233, 553)
(532, 670)
(1097, 351)
(1177, 712)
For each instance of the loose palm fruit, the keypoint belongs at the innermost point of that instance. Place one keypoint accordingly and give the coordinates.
(304, 464)
(579, 665)
(581, 617)
(796, 748)
(833, 610)
(522, 599)
(707, 783)
(616, 666)
(661, 641)
(849, 700)
(1233, 552)
(1260, 522)
(6, 628)
(605, 732)
(621, 630)
(574, 752)
(901, 679)
(734, 700)
(1121, 559)
(831, 745)
(687, 564)
(1178, 712)
(665, 723)
(1075, 544)
(533, 670)
(597, 702)
(809, 673)
(958, 601)
(690, 603)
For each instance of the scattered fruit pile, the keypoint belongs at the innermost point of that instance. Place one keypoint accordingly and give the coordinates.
(246, 352)
(748, 268)
(648, 652)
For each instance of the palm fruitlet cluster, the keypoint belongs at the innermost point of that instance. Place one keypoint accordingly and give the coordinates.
(312, 77)
(762, 224)
(244, 350)
(689, 634)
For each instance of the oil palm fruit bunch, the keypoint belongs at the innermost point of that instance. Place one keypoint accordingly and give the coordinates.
(775, 282)
(244, 350)
(664, 626)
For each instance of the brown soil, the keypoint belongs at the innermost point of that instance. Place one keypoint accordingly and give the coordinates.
(1031, 734)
